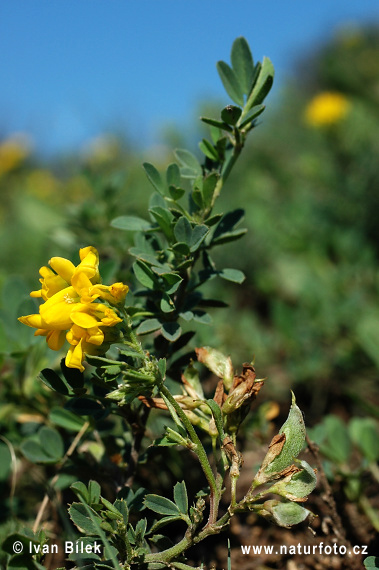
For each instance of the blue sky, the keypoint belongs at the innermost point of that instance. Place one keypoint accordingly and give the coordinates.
(71, 69)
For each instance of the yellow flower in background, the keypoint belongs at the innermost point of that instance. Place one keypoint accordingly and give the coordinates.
(73, 303)
(13, 152)
(326, 108)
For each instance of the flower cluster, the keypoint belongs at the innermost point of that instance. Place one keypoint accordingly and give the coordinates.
(76, 307)
(326, 108)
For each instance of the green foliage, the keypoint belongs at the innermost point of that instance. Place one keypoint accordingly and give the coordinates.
(351, 454)
(307, 307)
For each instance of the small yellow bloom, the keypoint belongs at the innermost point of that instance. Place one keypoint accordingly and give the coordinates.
(61, 271)
(326, 108)
(12, 153)
(73, 304)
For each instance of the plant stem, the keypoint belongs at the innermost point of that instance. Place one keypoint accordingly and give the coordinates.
(198, 449)
(228, 165)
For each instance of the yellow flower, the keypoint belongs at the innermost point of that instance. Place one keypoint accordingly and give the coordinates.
(61, 271)
(326, 108)
(12, 153)
(72, 296)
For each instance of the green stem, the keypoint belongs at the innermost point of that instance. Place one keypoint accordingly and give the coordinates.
(198, 449)
(228, 166)
(191, 539)
(133, 341)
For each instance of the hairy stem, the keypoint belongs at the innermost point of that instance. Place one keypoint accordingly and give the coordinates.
(198, 449)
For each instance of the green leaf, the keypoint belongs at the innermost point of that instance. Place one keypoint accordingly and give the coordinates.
(183, 230)
(149, 258)
(199, 233)
(228, 237)
(234, 275)
(209, 185)
(161, 505)
(262, 84)
(122, 508)
(145, 275)
(134, 501)
(164, 219)
(304, 482)
(213, 220)
(154, 177)
(83, 517)
(73, 377)
(167, 305)
(191, 167)
(365, 435)
(288, 514)
(294, 430)
(217, 124)
(228, 223)
(371, 562)
(47, 448)
(175, 192)
(112, 512)
(163, 522)
(254, 113)
(209, 150)
(181, 497)
(197, 192)
(338, 445)
(148, 326)
(51, 442)
(66, 419)
(80, 491)
(230, 82)
(171, 331)
(33, 451)
(94, 491)
(173, 175)
(181, 248)
(300, 485)
(130, 223)
(173, 280)
(242, 62)
(53, 381)
(231, 114)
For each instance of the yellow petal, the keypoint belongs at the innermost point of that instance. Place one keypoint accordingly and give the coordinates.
(89, 263)
(63, 267)
(83, 319)
(95, 336)
(74, 357)
(57, 310)
(82, 284)
(51, 284)
(114, 294)
(32, 321)
(41, 332)
(55, 339)
(36, 293)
